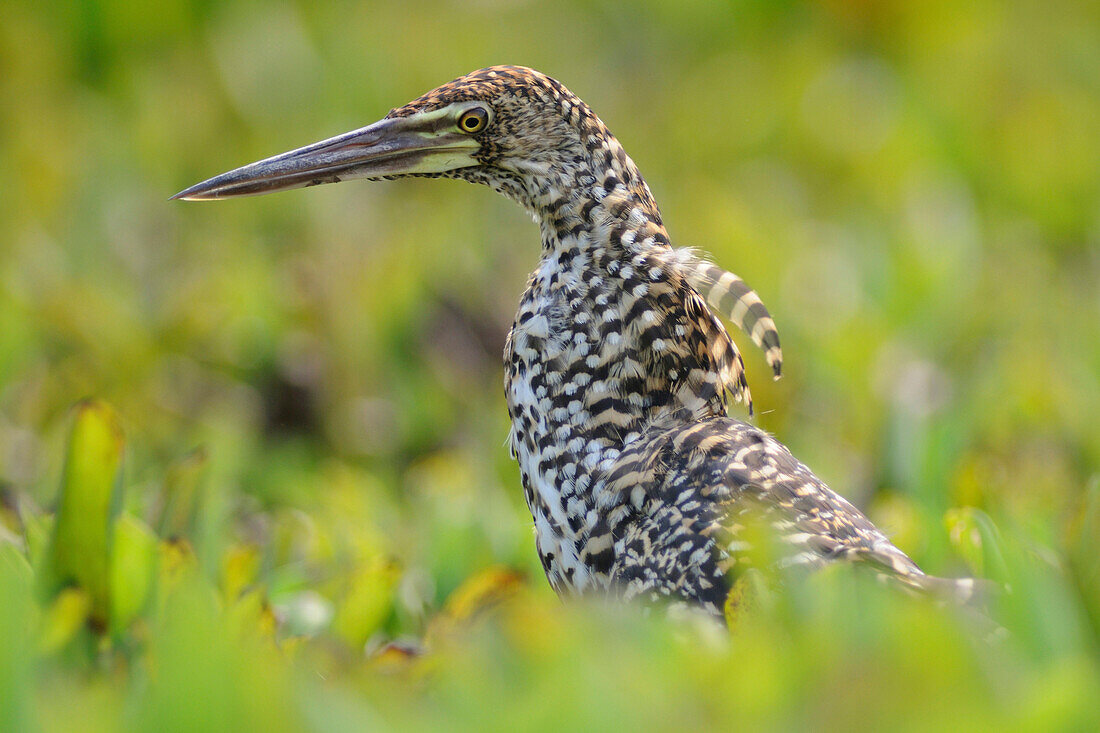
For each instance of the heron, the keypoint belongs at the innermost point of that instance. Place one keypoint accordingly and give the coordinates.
(619, 372)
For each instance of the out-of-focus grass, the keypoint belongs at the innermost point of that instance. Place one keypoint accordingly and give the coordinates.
(310, 383)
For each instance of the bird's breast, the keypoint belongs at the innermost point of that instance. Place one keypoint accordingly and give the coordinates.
(552, 380)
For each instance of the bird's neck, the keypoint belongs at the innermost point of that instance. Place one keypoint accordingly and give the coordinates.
(618, 219)
(600, 193)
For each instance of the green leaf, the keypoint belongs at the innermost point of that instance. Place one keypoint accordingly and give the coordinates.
(13, 559)
(977, 540)
(367, 602)
(134, 561)
(38, 533)
(1084, 557)
(181, 493)
(16, 635)
(80, 546)
(63, 619)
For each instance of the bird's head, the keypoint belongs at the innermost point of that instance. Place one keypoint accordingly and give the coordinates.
(510, 127)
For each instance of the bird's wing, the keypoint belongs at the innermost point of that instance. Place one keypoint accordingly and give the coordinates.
(734, 300)
(693, 488)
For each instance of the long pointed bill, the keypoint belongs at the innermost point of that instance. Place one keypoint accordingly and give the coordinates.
(422, 143)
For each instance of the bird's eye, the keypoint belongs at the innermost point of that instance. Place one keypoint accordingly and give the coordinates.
(473, 120)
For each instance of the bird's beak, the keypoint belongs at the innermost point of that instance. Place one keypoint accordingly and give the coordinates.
(421, 143)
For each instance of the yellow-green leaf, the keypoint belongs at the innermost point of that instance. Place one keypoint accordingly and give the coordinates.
(80, 547)
(134, 559)
(368, 600)
(63, 619)
(181, 487)
(975, 538)
(12, 558)
(17, 625)
(240, 565)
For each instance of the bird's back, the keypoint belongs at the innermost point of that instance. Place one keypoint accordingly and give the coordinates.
(708, 485)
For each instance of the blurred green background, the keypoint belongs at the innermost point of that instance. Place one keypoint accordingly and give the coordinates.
(310, 383)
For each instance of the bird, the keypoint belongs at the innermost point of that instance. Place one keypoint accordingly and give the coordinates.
(619, 372)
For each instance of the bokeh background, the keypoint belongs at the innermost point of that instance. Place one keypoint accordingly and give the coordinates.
(912, 187)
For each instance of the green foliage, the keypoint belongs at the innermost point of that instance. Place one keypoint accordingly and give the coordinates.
(317, 526)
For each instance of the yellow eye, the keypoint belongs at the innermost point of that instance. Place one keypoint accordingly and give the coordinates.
(473, 120)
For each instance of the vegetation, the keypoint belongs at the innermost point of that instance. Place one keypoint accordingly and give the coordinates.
(290, 473)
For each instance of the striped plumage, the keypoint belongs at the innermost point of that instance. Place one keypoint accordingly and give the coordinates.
(617, 368)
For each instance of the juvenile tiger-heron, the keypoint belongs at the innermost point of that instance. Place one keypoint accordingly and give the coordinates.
(617, 368)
